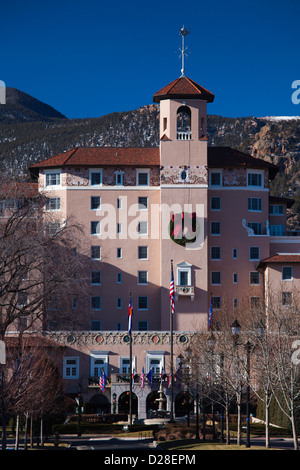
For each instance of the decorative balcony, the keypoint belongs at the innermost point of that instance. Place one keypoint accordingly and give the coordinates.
(185, 291)
(187, 135)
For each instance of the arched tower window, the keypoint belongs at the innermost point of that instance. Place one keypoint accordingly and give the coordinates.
(184, 123)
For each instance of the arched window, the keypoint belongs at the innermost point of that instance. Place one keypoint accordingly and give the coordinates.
(184, 123)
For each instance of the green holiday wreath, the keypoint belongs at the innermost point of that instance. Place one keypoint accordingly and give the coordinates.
(178, 224)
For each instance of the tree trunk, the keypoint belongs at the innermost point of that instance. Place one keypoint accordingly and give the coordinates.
(17, 433)
(267, 424)
(26, 431)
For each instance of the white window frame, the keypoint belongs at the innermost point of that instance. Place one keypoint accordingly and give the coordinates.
(121, 364)
(75, 367)
(291, 278)
(99, 225)
(256, 172)
(94, 356)
(147, 257)
(143, 170)
(184, 268)
(97, 208)
(52, 172)
(95, 170)
(155, 355)
(57, 206)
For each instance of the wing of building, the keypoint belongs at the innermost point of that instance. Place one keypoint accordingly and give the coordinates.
(206, 209)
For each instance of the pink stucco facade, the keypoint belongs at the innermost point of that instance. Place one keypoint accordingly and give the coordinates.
(228, 191)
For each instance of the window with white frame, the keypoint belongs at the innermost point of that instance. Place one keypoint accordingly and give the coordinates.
(71, 367)
(96, 177)
(142, 252)
(95, 203)
(95, 227)
(53, 178)
(287, 273)
(53, 204)
(155, 360)
(98, 363)
(142, 203)
(143, 228)
(184, 274)
(119, 177)
(142, 177)
(143, 277)
(255, 178)
(124, 366)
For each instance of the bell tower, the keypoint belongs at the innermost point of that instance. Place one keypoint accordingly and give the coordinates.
(184, 188)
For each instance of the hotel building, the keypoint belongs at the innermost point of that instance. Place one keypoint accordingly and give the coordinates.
(130, 202)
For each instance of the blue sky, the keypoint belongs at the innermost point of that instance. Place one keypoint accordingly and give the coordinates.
(90, 58)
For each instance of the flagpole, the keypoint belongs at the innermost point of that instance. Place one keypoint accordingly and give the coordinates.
(171, 352)
(130, 369)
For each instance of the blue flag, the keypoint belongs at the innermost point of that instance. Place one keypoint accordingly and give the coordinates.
(150, 376)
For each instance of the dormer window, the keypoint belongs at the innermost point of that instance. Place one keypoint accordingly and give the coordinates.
(184, 123)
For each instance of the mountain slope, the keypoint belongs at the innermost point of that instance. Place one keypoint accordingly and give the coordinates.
(21, 107)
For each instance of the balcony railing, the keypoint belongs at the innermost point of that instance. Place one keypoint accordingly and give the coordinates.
(185, 291)
(184, 135)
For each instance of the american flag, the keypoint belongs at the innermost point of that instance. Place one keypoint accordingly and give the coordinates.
(130, 313)
(102, 381)
(142, 378)
(172, 290)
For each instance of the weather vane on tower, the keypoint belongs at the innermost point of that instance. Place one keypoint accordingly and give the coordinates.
(183, 32)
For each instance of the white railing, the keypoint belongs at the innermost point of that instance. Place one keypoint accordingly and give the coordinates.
(184, 135)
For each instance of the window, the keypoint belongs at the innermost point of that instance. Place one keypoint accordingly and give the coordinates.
(254, 204)
(119, 203)
(215, 203)
(119, 278)
(142, 177)
(53, 204)
(119, 302)
(143, 203)
(216, 277)
(95, 252)
(286, 298)
(235, 278)
(254, 302)
(215, 252)
(74, 303)
(155, 361)
(216, 303)
(52, 228)
(234, 253)
(235, 303)
(254, 252)
(96, 302)
(184, 274)
(143, 302)
(142, 277)
(119, 326)
(95, 177)
(22, 299)
(119, 177)
(254, 277)
(96, 277)
(99, 363)
(119, 228)
(215, 228)
(95, 325)
(95, 203)
(70, 367)
(276, 230)
(276, 209)
(125, 364)
(215, 178)
(119, 252)
(95, 227)
(255, 178)
(143, 228)
(142, 326)
(256, 227)
(142, 252)
(287, 273)
(53, 179)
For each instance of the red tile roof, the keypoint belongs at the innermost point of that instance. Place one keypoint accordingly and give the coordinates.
(226, 157)
(183, 88)
(280, 258)
(218, 157)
